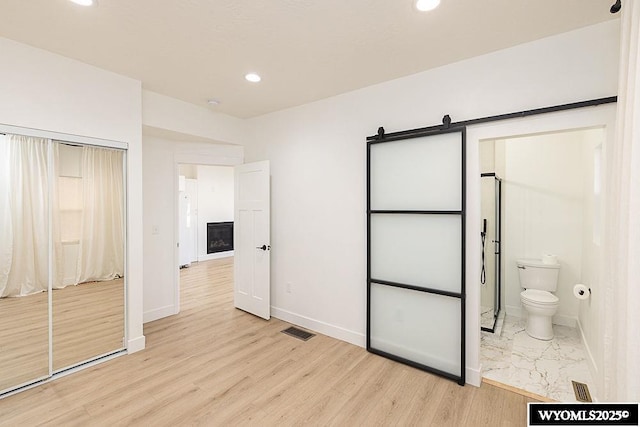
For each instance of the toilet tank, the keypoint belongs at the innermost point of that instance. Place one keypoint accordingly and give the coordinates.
(534, 274)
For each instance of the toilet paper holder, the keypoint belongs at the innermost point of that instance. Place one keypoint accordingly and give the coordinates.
(581, 291)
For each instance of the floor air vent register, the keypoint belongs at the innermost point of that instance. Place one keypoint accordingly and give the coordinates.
(298, 333)
(581, 391)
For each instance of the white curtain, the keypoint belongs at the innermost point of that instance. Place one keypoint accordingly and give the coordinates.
(101, 251)
(6, 236)
(24, 216)
(24, 189)
(622, 225)
(56, 218)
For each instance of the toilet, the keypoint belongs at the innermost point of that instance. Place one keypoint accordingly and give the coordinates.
(539, 279)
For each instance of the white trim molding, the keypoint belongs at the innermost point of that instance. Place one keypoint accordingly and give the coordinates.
(332, 331)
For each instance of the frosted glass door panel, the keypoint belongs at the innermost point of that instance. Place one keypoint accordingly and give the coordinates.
(417, 326)
(418, 174)
(420, 250)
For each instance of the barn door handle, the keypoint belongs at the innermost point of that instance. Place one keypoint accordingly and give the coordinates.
(264, 247)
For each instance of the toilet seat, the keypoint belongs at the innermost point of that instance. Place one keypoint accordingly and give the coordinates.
(539, 297)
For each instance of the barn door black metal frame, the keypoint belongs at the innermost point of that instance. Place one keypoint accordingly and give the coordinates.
(381, 138)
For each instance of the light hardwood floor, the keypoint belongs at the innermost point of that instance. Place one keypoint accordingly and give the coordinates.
(24, 339)
(215, 365)
(88, 321)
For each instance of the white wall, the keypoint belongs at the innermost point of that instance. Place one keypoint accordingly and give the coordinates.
(160, 172)
(215, 202)
(45, 91)
(158, 192)
(175, 132)
(192, 121)
(543, 205)
(488, 207)
(317, 154)
(591, 318)
(188, 171)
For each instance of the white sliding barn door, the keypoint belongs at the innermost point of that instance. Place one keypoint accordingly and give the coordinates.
(415, 246)
(252, 248)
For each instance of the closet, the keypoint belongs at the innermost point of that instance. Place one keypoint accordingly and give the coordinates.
(62, 252)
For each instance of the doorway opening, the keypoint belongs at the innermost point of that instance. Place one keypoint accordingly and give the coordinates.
(205, 197)
(550, 213)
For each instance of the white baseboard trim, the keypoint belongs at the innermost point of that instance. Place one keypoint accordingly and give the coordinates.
(591, 362)
(473, 376)
(333, 331)
(515, 311)
(564, 320)
(158, 313)
(136, 344)
(217, 255)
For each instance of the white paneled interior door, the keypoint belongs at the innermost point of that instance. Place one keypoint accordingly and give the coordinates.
(252, 247)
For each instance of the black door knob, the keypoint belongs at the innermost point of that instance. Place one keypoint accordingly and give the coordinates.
(264, 247)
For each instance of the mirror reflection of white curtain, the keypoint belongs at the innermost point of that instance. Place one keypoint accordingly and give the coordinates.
(101, 251)
(24, 235)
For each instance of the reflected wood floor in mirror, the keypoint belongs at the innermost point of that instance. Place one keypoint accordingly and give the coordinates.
(88, 321)
(215, 365)
(24, 339)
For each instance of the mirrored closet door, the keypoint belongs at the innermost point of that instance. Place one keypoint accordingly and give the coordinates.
(88, 244)
(62, 251)
(24, 260)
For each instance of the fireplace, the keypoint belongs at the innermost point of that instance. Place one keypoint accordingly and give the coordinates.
(219, 237)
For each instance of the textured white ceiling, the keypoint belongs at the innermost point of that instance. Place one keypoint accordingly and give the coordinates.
(304, 50)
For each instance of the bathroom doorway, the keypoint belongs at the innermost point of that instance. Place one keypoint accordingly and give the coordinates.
(549, 202)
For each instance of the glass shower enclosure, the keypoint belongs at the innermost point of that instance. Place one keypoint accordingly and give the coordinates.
(491, 234)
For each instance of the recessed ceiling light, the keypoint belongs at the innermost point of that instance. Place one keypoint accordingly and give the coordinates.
(253, 77)
(426, 5)
(213, 101)
(84, 2)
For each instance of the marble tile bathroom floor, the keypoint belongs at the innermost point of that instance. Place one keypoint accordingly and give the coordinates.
(486, 317)
(545, 368)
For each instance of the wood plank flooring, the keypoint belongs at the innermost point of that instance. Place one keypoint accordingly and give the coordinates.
(213, 365)
(24, 339)
(88, 321)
